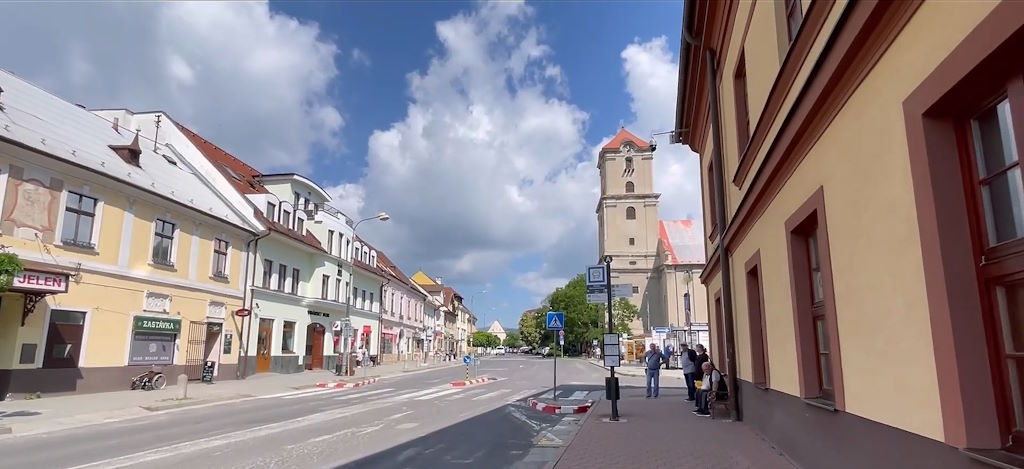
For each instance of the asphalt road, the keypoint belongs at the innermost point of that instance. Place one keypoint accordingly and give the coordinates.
(410, 421)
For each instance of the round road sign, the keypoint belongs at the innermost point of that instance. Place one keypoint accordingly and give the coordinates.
(561, 333)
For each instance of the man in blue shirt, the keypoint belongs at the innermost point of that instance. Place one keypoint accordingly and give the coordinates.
(653, 359)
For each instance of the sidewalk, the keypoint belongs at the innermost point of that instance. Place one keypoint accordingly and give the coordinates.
(632, 369)
(664, 432)
(21, 417)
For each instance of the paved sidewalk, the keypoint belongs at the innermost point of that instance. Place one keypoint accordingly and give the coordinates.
(20, 417)
(664, 432)
(632, 369)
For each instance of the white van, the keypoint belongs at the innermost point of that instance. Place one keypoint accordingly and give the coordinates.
(500, 350)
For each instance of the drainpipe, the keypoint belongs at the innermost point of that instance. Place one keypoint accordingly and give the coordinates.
(723, 222)
(243, 342)
(380, 320)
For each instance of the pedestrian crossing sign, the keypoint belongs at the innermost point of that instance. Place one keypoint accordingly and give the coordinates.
(556, 320)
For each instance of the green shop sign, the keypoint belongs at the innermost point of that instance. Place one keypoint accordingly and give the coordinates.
(148, 324)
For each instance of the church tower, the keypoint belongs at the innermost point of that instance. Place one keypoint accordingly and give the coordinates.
(627, 219)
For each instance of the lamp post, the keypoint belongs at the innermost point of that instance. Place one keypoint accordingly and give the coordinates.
(382, 216)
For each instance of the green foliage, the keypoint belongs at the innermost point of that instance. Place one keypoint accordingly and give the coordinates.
(10, 267)
(512, 340)
(624, 313)
(583, 321)
(485, 339)
(531, 327)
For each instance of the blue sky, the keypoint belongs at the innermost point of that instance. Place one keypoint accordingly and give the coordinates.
(474, 125)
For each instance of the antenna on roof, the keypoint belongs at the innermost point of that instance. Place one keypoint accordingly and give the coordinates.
(157, 134)
(117, 128)
(1, 98)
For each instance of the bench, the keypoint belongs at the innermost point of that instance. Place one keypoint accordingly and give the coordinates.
(721, 401)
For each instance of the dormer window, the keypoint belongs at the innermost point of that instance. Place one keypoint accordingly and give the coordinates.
(286, 217)
(130, 153)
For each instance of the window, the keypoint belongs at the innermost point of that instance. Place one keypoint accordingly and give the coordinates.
(817, 336)
(629, 163)
(337, 289)
(739, 83)
(296, 275)
(718, 348)
(712, 205)
(286, 218)
(757, 322)
(636, 290)
(355, 294)
(794, 16)
(362, 301)
(268, 270)
(295, 200)
(325, 286)
(629, 187)
(79, 216)
(330, 242)
(163, 242)
(632, 241)
(288, 337)
(282, 274)
(341, 269)
(300, 224)
(370, 306)
(227, 343)
(220, 258)
(271, 211)
(630, 213)
(348, 250)
(998, 173)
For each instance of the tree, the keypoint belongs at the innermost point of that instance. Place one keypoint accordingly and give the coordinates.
(624, 314)
(512, 340)
(485, 339)
(582, 320)
(531, 326)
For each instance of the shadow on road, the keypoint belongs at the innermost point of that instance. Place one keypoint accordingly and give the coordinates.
(19, 413)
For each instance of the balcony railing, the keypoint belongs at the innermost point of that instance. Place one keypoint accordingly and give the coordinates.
(334, 212)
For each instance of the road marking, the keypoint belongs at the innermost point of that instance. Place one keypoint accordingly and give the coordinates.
(438, 394)
(397, 415)
(289, 393)
(491, 394)
(578, 395)
(406, 426)
(466, 394)
(519, 415)
(318, 391)
(523, 395)
(417, 393)
(361, 394)
(368, 430)
(223, 439)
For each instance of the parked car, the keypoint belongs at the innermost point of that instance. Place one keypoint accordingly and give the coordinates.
(499, 350)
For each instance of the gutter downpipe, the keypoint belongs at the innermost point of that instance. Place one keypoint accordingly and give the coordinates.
(243, 343)
(380, 321)
(723, 223)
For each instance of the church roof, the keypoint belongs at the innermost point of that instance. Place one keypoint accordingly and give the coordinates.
(496, 327)
(625, 136)
(683, 241)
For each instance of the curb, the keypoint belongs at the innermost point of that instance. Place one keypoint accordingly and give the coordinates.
(560, 409)
(339, 384)
(471, 382)
(191, 402)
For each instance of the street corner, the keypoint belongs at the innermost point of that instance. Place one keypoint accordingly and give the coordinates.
(551, 406)
(473, 382)
(346, 384)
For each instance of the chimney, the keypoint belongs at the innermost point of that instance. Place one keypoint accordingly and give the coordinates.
(129, 153)
(117, 126)
(438, 280)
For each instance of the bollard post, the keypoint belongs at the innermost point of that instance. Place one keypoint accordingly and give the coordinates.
(182, 386)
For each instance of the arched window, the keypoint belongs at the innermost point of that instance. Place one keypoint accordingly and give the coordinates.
(630, 213)
(629, 163)
(629, 187)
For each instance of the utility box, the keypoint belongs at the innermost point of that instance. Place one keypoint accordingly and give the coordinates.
(611, 388)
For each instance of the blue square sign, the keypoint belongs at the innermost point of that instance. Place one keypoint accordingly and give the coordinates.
(555, 321)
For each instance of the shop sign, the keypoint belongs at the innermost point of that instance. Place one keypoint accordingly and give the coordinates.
(151, 349)
(36, 281)
(150, 324)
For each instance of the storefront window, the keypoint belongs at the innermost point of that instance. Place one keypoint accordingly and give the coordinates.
(288, 337)
(227, 342)
(153, 340)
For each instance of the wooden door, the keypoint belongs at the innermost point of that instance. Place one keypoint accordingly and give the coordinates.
(263, 341)
(64, 339)
(318, 346)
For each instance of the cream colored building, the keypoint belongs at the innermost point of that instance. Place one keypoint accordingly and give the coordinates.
(869, 188)
(132, 260)
(658, 258)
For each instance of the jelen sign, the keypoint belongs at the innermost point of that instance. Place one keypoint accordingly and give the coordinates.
(36, 281)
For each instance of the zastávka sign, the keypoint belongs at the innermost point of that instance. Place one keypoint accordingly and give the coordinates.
(36, 281)
(151, 324)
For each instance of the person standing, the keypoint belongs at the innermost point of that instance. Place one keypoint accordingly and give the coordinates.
(653, 358)
(688, 362)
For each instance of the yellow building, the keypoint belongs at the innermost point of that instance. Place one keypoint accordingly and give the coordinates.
(864, 223)
(132, 260)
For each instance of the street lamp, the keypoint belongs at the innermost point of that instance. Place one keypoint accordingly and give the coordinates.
(382, 216)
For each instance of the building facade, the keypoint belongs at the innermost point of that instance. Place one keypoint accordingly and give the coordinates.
(132, 260)
(402, 315)
(677, 270)
(862, 188)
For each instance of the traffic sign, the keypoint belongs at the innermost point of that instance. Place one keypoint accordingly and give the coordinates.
(661, 330)
(597, 295)
(467, 360)
(555, 321)
(622, 290)
(561, 338)
(596, 275)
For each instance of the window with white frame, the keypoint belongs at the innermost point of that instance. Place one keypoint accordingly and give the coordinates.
(79, 219)
(220, 258)
(330, 242)
(299, 224)
(163, 242)
(286, 218)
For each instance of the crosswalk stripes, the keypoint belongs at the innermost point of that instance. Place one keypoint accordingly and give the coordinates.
(419, 393)
(491, 394)
(465, 394)
(439, 394)
(311, 393)
(361, 394)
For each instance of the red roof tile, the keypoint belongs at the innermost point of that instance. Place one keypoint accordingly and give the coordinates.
(306, 238)
(683, 241)
(625, 136)
(238, 173)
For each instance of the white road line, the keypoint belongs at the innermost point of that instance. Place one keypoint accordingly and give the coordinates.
(523, 395)
(289, 393)
(370, 429)
(578, 395)
(492, 394)
(438, 394)
(397, 415)
(548, 395)
(311, 393)
(418, 393)
(361, 394)
(406, 426)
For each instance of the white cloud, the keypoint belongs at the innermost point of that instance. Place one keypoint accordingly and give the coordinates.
(254, 81)
(539, 285)
(485, 165)
(360, 57)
